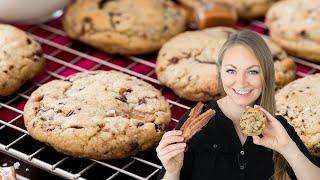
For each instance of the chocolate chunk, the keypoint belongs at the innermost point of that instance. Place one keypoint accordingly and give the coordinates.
(101, 3)
(36, 109)
(5, 71)
(165, 28)
(70, 113)
(124, 91)
(122, 98)
(36, 56)
(29, 41)
(87, 26)
(51, 129)
(142, 101)
(276, 56)
(303, 33)
(76, 127)
(139, 124)
(174, 60)
(11, 67)
(101, 126)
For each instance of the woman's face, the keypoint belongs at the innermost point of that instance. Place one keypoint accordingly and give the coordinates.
(241, 75)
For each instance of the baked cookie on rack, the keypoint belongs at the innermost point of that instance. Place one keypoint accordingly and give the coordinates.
(299, 103)
(124, 26)
(97, 114)
(284, 67)
(187, 63)
(295, 25)
(245, 8)
(21, 59)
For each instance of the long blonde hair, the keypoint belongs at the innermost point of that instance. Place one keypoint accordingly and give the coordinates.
(266, 100)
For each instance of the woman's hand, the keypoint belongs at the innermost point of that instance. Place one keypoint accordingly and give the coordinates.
(170, 151)
(274, 134)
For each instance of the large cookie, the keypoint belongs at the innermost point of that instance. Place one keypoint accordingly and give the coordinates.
(299, 103)
(124, 26)
(21, 59)
(245, 8)
(97, 114)
(295, 25)
(187, 63)
(284, 67)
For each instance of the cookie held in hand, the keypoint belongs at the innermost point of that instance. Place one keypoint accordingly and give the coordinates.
(252, 122)
(196, 121)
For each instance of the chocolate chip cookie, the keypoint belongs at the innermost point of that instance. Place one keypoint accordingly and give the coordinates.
(295, 25)
(284, 67)
(21, 59)
(252, 122)
(187, 63)
(124, 26)
(97, 114)
(299, 103)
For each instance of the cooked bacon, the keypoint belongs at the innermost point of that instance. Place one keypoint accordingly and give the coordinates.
(196, 121)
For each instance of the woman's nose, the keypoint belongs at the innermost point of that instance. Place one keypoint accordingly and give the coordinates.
(242, 79)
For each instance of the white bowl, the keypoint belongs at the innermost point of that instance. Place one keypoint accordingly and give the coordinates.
(30, 11)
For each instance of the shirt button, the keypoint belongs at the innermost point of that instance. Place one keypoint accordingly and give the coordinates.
(242, 153)
(215, 146)
(241, 167)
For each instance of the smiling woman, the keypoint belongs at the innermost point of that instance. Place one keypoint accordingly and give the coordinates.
(220, 150)
(241, 78)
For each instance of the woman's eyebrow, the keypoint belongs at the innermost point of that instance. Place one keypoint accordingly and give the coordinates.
(231, 65)
(253, 66)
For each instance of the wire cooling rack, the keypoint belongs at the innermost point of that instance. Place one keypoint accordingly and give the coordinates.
(65, 57)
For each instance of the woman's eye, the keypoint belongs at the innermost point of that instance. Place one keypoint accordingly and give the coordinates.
(231, 71)
(253, 72)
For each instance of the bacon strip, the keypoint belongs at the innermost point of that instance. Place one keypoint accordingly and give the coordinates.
(196, 121)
